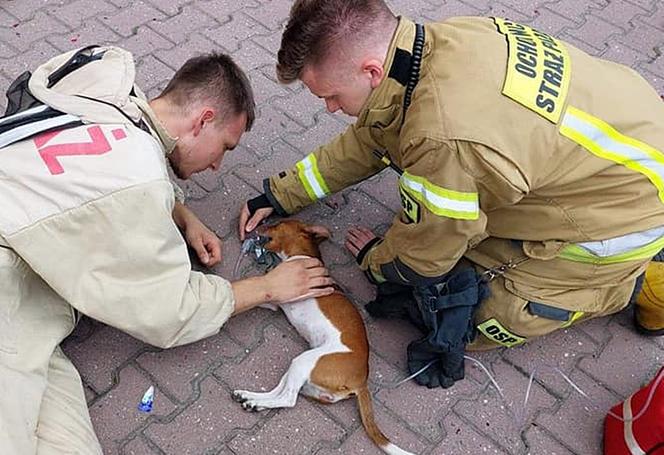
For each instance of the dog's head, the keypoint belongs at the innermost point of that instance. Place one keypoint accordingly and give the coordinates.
(292, 237)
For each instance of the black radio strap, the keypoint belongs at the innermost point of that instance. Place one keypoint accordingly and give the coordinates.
(415, 64)
(413, 79)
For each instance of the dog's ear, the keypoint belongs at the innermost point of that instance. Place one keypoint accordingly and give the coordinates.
(319, 233)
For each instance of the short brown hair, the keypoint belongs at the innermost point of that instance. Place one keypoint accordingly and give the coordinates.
(314, 26)
(215, 78)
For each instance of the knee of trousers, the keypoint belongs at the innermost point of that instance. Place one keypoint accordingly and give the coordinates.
(507, 320)
(29, 306)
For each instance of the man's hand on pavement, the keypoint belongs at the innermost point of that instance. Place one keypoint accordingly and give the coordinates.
(205, 242)
(357, 238)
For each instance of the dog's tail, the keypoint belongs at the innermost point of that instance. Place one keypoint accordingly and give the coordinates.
(367, 416)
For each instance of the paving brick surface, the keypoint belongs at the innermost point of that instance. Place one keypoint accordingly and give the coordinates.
(112, 348)
(359, 443)
(208, 421)
(180, 370)
(193, 409)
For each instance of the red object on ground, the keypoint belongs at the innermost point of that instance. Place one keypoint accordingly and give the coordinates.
(643, 436)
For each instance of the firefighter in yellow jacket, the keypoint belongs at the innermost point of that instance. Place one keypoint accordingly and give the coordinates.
(538, 164)
(89, 225)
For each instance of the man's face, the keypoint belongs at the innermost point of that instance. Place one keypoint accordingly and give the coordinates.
(203, 147)
(345, 90)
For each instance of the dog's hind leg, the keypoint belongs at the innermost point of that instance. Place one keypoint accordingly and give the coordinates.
(284, 395)
(321, 394)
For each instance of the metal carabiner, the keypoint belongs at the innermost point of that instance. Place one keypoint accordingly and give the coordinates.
(489, 275)
(493, 272)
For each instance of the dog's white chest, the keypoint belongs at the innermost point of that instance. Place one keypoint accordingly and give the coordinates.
(311, 323)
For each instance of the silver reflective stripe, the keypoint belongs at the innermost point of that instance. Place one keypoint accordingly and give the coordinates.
(628, 432)
(27, 130)
(311, 178)
(621, 150)
(604, 141)
(623, 244)
(26, 113)
(442, 201)
(313, 181)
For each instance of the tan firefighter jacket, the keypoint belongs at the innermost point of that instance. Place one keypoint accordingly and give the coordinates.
(89, 209)
(513, 135)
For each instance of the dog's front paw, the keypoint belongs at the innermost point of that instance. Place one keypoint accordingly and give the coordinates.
(244, 398)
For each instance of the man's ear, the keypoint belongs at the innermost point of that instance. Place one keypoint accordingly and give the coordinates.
(205, 115)
(373, 69)
(319, 233)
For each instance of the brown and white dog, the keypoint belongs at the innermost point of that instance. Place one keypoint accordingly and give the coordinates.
(337, 365)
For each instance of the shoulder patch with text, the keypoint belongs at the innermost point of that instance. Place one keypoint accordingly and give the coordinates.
(411, 208)
(538, 69)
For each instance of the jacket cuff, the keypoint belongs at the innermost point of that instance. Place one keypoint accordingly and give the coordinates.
(365, 249)
(398, 272)
(259, 202)
(273, 200)
(373, 275)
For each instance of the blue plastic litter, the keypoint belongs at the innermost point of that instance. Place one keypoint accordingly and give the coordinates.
(148, 399)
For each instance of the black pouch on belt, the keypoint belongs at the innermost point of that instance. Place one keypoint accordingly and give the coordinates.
(396, 301)
(447, 310)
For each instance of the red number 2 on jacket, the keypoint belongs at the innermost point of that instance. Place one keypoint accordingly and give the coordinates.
(98, 145)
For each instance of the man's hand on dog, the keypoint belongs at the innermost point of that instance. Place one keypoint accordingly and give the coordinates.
(298, 279)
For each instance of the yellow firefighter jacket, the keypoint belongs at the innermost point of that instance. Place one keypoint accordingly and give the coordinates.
(516, 146)
(89, 209)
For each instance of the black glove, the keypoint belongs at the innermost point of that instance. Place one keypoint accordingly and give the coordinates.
(447, 367)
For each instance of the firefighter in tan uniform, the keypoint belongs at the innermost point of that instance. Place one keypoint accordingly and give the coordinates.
(89, 226)
(531, 174)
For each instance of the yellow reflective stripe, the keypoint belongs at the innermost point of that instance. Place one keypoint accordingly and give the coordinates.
(579, 254)
(575, 317)
(377, 276)
(305, 182)
(311, 178)
(441, 201)
(601, 139)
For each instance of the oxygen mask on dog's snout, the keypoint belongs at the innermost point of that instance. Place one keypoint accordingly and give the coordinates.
(254, 246)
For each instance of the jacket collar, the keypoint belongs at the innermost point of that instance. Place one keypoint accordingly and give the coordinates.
(159, 130)
(392, 88)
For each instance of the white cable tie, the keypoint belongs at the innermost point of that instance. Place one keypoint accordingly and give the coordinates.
(406, 379)
(486, 371)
